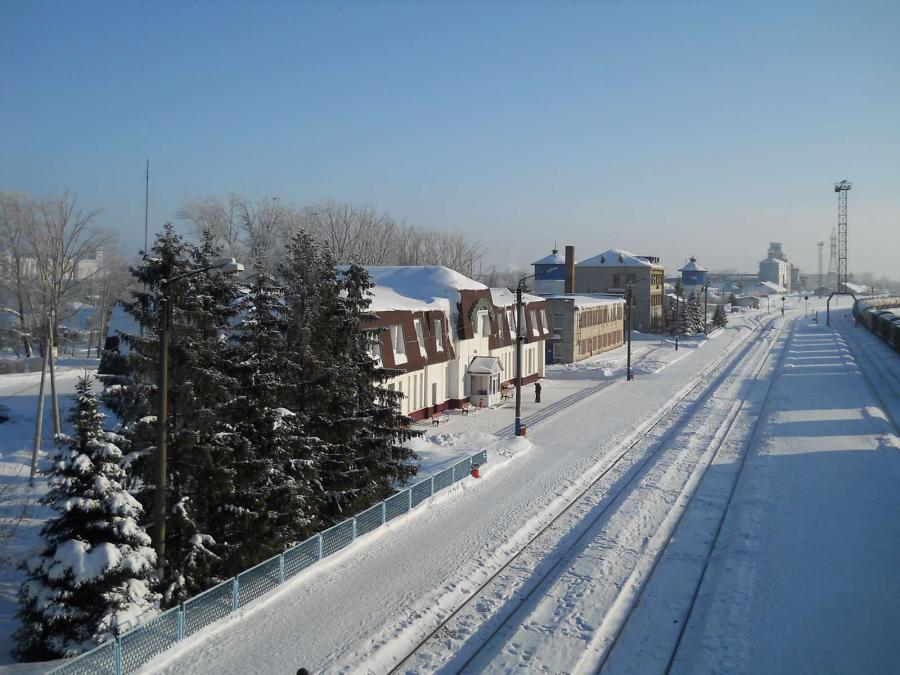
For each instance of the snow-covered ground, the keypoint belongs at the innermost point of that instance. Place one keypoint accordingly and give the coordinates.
(370, 602)
(18, 394)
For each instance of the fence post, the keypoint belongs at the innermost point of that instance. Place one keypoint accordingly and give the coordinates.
(321, 548)
(234, 593)
(409, 499)
(281, 568)
(431, 482)
(383, 512)
(180, 623)
(117, 657)
(354, 529)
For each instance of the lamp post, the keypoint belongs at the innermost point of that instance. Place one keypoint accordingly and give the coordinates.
(782, 305)
(806, 309)
(226, 266)
(629, 301)
(705, 306)
(677, 310)
(520, 338)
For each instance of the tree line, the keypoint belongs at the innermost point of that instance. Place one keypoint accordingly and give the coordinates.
(279, 426)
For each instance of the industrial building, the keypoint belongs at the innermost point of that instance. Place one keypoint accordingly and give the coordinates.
(775, 268)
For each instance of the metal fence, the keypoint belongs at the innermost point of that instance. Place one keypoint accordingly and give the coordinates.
(133, 649)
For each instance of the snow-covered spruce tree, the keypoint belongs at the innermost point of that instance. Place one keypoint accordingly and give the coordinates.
(366, 417)
(273, 500)
(720, 319)
(93, 576)
(198, 474)
(683, 325)
(695, 314)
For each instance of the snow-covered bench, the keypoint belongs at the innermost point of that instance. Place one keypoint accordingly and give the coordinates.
(437, 418)
(464, 407)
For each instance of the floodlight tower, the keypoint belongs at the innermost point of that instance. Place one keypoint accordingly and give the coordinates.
(832, 259)
(820, 245)
(842, 189)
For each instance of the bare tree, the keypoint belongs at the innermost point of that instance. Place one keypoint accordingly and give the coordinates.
(16, 266)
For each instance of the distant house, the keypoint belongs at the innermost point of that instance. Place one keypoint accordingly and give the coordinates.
(768, 288)
(451, 339)
(584, 325)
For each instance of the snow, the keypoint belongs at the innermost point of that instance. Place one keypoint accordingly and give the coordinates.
(615, 257)
(555, 258)
(418, 288)
(586, 300)
(355, 608)
(503, 297)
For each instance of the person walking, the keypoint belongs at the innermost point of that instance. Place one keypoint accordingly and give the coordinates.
(537, 392)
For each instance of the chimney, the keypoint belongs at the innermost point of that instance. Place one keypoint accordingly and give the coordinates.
(570, 269)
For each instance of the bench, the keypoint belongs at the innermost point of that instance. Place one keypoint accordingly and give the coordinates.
(437, 418)
(506, 392)
(464, 407)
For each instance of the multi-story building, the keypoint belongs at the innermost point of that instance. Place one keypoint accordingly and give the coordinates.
(612, 271)
(584, 325)
(451, 339)
(776, 268)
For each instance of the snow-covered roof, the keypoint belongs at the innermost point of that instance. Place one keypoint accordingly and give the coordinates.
(418, 288)
(615, 257)
(585, 300)
(503, 297)
(692, 266)
(769, 288)
(485, 365)
(553, 259)
(856, 288)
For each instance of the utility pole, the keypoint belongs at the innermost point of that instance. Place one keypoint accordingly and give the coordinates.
(629, 376)
(705, 306)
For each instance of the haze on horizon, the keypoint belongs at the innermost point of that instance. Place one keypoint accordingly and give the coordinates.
(667, 129)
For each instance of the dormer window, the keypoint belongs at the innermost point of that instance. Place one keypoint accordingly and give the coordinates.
(398, 344)
(438, 335)
(420, 335)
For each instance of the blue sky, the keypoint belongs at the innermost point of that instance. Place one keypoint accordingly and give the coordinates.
(667, 128)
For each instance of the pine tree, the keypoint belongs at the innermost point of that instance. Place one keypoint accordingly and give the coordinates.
(93, 575)
(273, 499)
(694, 314)
(720, 319)
(198, 472)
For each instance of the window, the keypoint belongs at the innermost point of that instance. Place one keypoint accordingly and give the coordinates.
(534, 325)
(617, 280)
(374, 350)
(544, 322)
(438, 335)
(557, 323)
(420, 337)
(398, 344)
(485, 325)
(511, 322)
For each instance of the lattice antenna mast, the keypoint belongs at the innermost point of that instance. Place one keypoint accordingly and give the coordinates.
(820, 245)
(832, 260)
(842, 189)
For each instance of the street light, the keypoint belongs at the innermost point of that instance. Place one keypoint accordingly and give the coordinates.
(806, 310)
(226, 266)
(520, 338)
(705, 306)
(782, 305)
(677, 309)
(629, 376)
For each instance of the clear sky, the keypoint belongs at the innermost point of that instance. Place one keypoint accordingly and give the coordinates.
(666, 128)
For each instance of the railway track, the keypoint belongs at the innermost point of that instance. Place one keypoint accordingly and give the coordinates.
(587, 508)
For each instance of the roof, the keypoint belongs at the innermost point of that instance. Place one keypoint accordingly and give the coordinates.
(772, 259)
(553, 259)
(692, 266)
(418, 288)
(485, 365)
(503, 297)
(616, 257)
(769, 287)
(584, 300)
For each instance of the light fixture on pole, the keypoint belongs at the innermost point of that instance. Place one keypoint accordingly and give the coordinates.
(520, 338)
(705, 306)
(629, 303)
(226, 266)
